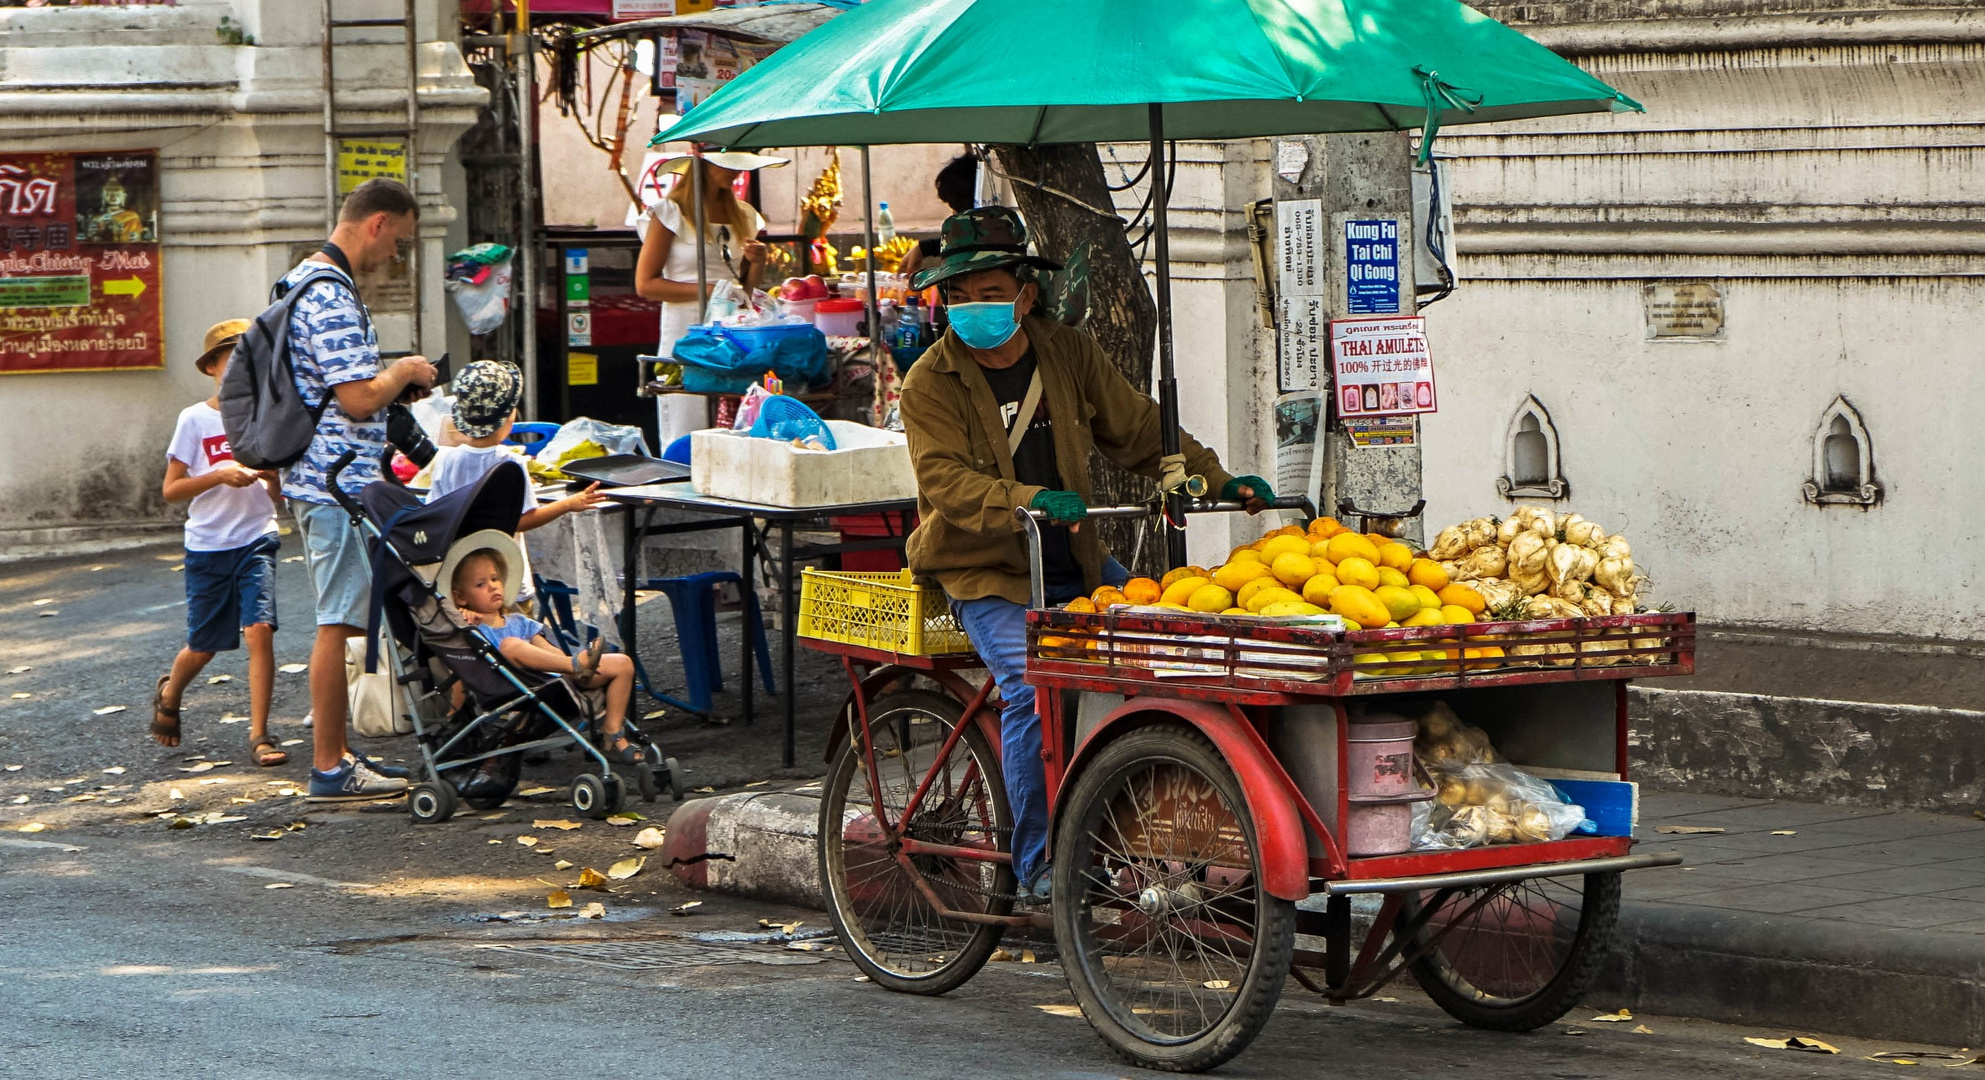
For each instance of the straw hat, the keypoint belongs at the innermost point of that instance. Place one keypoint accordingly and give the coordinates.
(221, 338)
(503, 544)
(726, 159)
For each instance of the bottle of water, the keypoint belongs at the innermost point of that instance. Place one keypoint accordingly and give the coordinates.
(885, 225)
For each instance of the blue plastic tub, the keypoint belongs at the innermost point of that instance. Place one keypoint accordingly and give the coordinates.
(753, 338)
(1613, 805)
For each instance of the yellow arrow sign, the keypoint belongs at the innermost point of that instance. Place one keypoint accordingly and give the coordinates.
(130, 286)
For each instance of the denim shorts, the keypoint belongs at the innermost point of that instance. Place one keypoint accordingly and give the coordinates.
(227, 590)
(339, 572)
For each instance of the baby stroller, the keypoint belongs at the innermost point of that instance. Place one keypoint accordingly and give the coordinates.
(474, 755)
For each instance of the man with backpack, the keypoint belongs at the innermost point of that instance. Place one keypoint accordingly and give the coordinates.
(334, 364)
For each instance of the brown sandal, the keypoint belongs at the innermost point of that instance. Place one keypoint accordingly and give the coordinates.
(165, 722)
(275, 755)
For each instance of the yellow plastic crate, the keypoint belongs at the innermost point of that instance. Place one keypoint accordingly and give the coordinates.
(886, 611)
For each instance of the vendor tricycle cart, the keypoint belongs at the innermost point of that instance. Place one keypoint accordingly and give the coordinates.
(1206, 810)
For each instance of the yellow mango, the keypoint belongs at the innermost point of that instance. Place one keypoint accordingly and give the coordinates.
(1244, 553)
(1399, 603)
(1235, 611)
(1389, 576)
(1464, 596)
(1247, 592)
(1269, 596)
(1283, 545)
(1181, 588)
(1292, 569)
(1428, 573)
(1456, 615)
(1423, 617)
(1358, 603)
(1317, 589)
(1210, 598)
(1282, 608)
(1320, 551)
(1395, 555)
(1351, 545)
(1175, 575)
(1428, 597)
(1238, 573)
(1359, 571)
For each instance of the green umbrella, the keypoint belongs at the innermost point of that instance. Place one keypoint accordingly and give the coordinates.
(1058, 71)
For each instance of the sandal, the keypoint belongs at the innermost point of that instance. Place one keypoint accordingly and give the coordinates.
(626, 752)
(270, 758)
(165, 722)
(586, 663)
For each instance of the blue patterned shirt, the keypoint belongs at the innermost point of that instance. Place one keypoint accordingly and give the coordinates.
(331, 341)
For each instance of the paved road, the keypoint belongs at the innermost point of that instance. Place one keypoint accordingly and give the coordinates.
(168, 955)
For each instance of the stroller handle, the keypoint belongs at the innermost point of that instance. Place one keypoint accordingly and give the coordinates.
(344, 498)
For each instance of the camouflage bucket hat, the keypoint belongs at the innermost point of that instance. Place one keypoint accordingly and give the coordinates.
(485, 394)
(982, 238)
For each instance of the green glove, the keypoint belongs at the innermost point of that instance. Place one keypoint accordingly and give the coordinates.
(1232, 492)
(1061, 507)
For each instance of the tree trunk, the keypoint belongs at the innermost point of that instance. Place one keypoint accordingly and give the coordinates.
(1121, 313)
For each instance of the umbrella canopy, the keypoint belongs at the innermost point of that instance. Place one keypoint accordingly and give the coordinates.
(1059, 71)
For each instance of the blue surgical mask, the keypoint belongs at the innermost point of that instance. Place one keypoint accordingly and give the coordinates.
(984, 326)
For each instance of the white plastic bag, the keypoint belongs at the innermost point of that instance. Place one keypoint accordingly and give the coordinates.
(610, 438)
(483, 306)
(1477, 804)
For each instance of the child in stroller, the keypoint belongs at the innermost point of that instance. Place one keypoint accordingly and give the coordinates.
(477, 590)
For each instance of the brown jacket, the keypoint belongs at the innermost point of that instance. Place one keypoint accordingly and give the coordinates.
(966, 491)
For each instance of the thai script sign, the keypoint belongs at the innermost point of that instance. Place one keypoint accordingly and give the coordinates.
(79, 261)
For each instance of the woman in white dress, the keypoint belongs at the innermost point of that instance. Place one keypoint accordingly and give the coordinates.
(666, 270)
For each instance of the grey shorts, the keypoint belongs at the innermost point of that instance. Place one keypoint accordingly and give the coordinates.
(338, 569)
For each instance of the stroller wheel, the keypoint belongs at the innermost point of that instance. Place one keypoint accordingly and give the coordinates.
(593, 796)
(431, 803)
(674, 772)
(644, 781)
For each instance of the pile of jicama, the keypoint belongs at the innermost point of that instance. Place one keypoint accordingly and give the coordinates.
(1539, 565)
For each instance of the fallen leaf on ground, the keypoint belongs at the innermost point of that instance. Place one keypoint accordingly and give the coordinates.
(33, 826)
(650, 838)
(84, 797)
(561, 823)
(178, 569)
(559, 898)
(211, 780)
(702, 790)
(1689, 830)
(594, 910)
(216, 680)
(275, 835)
(1060, 1010)
(279, 885)
(292, 742)
(758, 783)
(1216, 984)
(623, 820)
(527, 841)
(499, 816)
(999, 956)
(294, 669)
(204, 766)
(789, 927)
(293, 558)
(179, 823)
(114, 770)
(48, 613)
(590, 878)
(626, 868)
(43, 602)
(19, 799)
(297, 826)
(15, 768)
(684, 909)
(1796, 1042)
(1917, 1057)
(173, 793)
(1620, 1017)
(234, 719)
(1784, 832)
(656, 715)
(561, 864)
(1642, 1029)
(1027, 957)
(1576, 1031)
(22, 697)
(94, 569)
(496, 841)
(108, 709)
(22, 670)
(540, 790)
(1387, 1000)
(287, 792)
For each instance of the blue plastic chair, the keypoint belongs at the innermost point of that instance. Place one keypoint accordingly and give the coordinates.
(678, 451)
(694, 602)
(531, 435)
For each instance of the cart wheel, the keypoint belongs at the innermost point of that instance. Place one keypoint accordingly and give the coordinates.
(431, 803)
(674, 772)
(644, 782)
(889, 927)
(590, 796)
(1173, 952)
(1515, 957)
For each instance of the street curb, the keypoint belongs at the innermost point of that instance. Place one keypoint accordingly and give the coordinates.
(1797, 974)
(1776, 972)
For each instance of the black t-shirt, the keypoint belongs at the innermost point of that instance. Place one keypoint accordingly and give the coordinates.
(1035, 464)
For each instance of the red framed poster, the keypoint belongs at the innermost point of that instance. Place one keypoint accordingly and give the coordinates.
(79, 262)
(1382, 366)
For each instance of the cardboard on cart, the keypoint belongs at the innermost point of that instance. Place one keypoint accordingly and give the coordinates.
(869, 465)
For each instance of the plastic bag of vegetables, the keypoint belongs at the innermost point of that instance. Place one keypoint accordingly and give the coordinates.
(1497, 803)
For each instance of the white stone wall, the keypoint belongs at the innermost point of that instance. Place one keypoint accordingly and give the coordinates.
(239, 132)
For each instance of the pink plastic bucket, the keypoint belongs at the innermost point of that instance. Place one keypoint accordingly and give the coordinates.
(1380, 758)
(1379, 828)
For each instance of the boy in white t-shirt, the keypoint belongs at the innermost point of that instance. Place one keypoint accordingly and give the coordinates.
(486, 395)
(231, 544)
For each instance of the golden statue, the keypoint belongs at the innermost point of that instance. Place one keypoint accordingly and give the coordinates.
(115, 223)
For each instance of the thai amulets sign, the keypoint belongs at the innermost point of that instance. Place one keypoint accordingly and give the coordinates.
(79, 262)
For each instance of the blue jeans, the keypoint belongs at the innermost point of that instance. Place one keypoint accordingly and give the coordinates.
(998, 629)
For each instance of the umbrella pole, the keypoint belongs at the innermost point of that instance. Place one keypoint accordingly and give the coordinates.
(702, 230)
(868, 237)
(1168, 384)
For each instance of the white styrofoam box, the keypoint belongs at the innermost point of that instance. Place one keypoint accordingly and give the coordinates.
(869, 465)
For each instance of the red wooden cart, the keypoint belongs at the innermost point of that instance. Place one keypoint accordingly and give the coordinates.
(1200, 795)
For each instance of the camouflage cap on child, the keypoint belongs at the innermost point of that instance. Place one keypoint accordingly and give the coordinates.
(486, 393)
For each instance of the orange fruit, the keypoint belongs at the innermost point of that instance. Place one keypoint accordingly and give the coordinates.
(1323, 526)
(1107, 596)
(1379, 540)
(1427, 572)
(1080, 603)
(1286, 530)
(1142, 590)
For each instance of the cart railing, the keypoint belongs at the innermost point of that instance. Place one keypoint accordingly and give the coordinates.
(1251, 654)
(1030, 523)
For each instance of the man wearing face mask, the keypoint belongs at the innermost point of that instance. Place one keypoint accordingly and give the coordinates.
(1002, 413)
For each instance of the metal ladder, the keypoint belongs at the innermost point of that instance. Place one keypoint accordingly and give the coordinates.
(408, 134)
